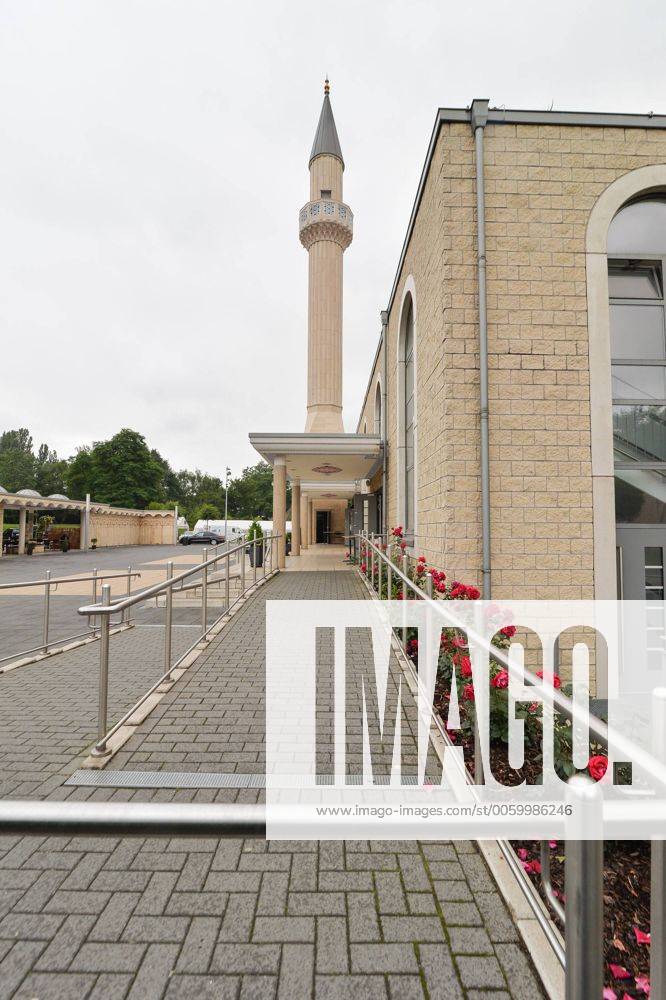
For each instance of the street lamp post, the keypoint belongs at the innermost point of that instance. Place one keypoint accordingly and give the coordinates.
(226, 504)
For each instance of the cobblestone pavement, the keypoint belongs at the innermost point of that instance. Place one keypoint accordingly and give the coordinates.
(100, 918)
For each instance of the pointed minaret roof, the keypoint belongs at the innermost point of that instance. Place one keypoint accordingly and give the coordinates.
(326, 137)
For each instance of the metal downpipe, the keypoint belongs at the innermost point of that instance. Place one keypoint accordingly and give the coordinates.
(384, 425)
(478, 119)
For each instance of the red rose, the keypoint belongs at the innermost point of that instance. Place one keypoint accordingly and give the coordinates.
(398, 531)
(557, 683)
(509, 631)
(420, 569)
(465, 667)
(363, 567)
(597, 766)
(501, 679)
(468, 692)
(473, 593)
(458, 590)
(440, 587)
(422, 559)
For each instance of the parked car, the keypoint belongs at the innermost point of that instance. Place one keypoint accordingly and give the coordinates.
(201, 537)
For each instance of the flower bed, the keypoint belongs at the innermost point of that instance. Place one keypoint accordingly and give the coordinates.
(626, 863)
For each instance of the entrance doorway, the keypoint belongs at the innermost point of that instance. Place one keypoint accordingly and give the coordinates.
(323, 532)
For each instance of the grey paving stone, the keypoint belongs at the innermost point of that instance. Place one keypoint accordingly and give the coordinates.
(108, 957)
(114, 917)
(344, 987)
(496, 917)
(292, 929)
(198, 946)
(202, 988)
(332, 955)
(421, 903)
(259, 958)
(77, 902)
(17, 964)
(405, 988)
(439, 972)
(273, 894)
(158, 930)
(153, 976)
(470, 941)
(111, 985)
(518, 971)
(56, 986)
(30, 926)
(316, 904)
(296, 971)
(383, 958)
(362, 916)
(258, 988)
(480, 971)
(156, 896)
(203, 904)
(390, 894)
(238, 917)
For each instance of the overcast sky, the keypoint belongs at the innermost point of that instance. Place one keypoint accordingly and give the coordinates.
(154, 157)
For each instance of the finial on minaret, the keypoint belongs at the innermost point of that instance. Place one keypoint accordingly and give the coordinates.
(327, 87)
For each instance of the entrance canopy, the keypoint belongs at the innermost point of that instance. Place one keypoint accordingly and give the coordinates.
(325, 464)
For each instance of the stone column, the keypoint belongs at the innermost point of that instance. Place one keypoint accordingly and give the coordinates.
(280, 506)
(312, 528)
(305, 537)
(83, 533)
(295, 517)
(21, 541)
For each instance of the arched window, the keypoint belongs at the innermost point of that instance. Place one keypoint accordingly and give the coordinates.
(636, 269)
(409, 412)
(378, 409)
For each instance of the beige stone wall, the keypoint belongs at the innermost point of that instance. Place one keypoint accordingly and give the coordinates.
(541, 184)
(123, 529)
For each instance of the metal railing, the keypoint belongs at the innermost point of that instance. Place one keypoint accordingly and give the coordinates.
(173, 584)
(582, 914)
(50, 585)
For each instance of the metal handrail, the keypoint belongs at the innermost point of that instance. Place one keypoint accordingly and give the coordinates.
(168, 586)
(582, 915)
(54, 581)
(50, 585)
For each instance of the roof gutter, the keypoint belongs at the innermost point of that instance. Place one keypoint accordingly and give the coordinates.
(478, 119)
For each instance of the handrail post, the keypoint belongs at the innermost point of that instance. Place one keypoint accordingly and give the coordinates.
(583, 886)
(126, 613)
(404, 568)
(380, 566)
(101, 749)
(658, 862)
(226, 582)
(254, 560)
(204, 593)
(263, 558)
(94, 597)
(429, 588)
(47, 608)
(372, 563)
(168, 619)
(241, 556)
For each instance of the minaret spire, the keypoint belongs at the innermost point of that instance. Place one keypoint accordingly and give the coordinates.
(326, 229)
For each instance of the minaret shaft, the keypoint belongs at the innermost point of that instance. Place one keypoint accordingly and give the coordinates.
(326, 232)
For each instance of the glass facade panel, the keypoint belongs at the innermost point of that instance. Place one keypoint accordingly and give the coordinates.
(409, 421)
(639, 382)
(637, 331)
(639, 433)
(639, 228)
(640, 496)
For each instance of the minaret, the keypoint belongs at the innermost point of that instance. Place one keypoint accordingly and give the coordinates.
(326, 227)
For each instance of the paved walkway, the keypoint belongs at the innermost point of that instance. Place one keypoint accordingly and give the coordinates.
(106, 919)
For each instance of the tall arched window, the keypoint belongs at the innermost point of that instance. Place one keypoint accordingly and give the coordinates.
(378, 409)
(409, 417)
(636, 269)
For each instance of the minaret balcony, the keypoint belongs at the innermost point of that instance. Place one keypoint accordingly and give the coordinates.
(326, 219)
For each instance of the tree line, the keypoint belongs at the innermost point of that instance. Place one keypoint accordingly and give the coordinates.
(125, 472)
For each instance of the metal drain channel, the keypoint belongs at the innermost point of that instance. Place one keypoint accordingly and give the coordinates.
(206, 779)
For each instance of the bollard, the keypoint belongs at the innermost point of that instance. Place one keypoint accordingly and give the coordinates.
(168, 619)
(658, 862)
(101, 749)
(47, 608)
(583, 874)
(204, 593)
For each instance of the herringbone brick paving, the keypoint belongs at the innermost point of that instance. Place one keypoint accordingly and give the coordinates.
(99, 918)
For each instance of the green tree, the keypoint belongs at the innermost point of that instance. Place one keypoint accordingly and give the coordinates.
(125, 471)
(17, 462)
(251, 494)
(79, 477)
(49, 472)
(207, 512)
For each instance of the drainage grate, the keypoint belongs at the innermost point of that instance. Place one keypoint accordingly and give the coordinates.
(206, 779)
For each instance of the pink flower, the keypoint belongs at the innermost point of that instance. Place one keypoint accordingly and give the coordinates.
(552, 843)
(363, 567)
(522, 853)
(619, 972)
(643, 984)
(641, 936)
(609, 994)
(534, 707)
(501, 679)
(597, 767)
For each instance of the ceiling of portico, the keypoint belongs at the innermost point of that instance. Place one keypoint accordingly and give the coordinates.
(336, 460)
